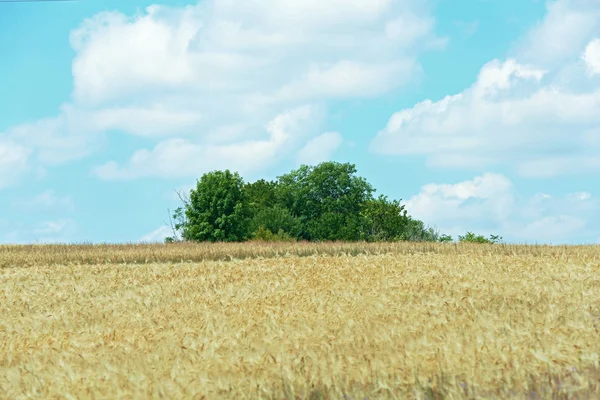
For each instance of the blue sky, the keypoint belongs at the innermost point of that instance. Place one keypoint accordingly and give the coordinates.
(480, 115)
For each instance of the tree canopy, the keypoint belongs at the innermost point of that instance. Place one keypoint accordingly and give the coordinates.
(218, 209)
(325, 202)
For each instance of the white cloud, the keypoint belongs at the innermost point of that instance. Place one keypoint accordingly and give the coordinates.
(180, 157)
(561, 36)
(205, 78)
(580, 196)
(233, 50)
(536, 111)
(342, 80)
(319, 149)
(157, 235)
(489, 204)
(508, 116)
(155, 120)
(591, 56)
(13, 162)
(56, 140)
(552, 229)
(486, 198)
(495, 77)
(407, 28)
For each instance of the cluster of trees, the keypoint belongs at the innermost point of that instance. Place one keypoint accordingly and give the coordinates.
(315, 203)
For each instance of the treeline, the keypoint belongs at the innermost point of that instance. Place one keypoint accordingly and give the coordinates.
(327, 202)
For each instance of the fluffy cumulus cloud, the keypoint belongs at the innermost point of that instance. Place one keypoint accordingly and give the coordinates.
(13, 161)
(537, 114)
(489, 204)
(486, 198)
(181, 157)
(567, 27)
(591, 56)
(319, 149)
(202, 81)
(329, 48)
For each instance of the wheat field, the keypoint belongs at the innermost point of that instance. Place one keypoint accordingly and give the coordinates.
(299, 321)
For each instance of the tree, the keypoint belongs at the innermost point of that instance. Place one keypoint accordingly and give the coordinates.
(316, 203)
(177, 219)
(384, 219)
(275, 219)
(217, 209)
(327, 199)
(416, 231)
(176, 223)
(260, 194)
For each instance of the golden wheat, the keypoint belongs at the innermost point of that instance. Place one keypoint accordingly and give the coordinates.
(298, 320)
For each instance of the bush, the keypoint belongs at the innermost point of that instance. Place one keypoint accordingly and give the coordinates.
(276, 219)
(415, 231)
(265, 235)
(445, 238)
(470, 237)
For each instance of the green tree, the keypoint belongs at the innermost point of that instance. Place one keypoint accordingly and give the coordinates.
(268, 217)
(384, 219)
(335, 226)
(217, 209)
(327, 199)
(317, 203)
(416, 231)
(177, 222)
(260, 194)
(275, 219)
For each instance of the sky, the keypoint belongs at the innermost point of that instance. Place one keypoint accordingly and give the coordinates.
(480, 115)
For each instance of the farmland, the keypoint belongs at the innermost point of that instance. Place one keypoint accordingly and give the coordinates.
(299, 320)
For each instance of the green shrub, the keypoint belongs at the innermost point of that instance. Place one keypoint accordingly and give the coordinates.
(276, 219)
(445, 238)
(265, 234)
(470, 237)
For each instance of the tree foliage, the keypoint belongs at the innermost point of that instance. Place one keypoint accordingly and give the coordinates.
(327, 199)
(217, 209)
(385, 220)
(325, 202)
(275, 219)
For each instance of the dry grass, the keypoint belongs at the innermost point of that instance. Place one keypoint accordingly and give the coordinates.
(32, 255)
(317, 321)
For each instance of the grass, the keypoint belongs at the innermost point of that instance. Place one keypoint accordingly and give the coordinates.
(88, 254)
(299, 321)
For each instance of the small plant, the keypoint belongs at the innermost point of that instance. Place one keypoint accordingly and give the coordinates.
(470, 237)
(445, 238)
(495, 238)
(264, 234)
